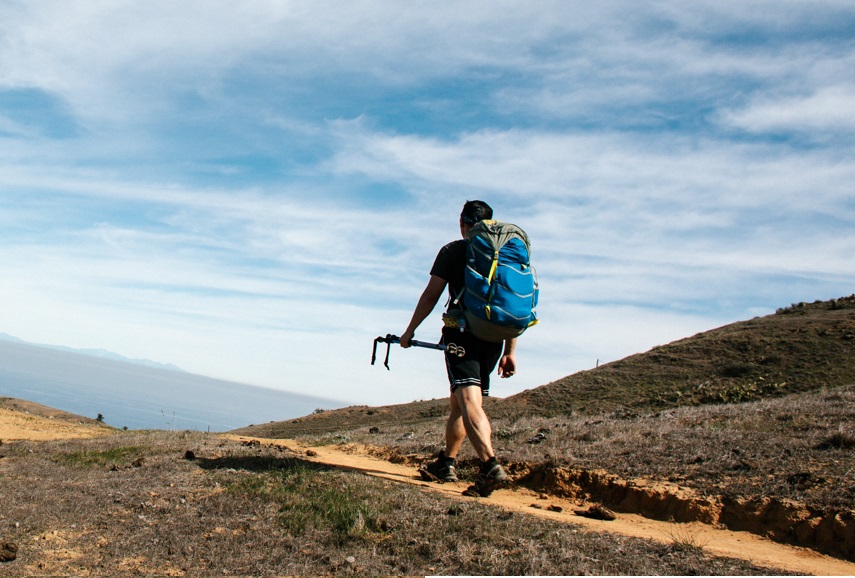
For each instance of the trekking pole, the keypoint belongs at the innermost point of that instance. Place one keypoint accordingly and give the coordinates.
(390, 339)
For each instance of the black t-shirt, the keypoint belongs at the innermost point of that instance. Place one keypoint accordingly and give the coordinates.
(450, 264)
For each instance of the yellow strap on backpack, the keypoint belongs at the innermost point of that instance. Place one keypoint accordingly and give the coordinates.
(493, 267)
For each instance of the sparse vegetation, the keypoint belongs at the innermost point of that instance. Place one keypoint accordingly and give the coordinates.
(311, 500)
(687, 540)
(113, 456)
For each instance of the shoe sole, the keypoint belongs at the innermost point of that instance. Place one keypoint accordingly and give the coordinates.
(486, 491)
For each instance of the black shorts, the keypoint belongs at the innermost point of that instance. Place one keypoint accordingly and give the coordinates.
(469, 360)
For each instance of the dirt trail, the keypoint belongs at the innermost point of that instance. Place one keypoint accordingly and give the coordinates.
(742, 545)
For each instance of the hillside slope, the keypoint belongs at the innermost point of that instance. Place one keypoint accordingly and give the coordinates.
(25, 420)
(803, 347)
(31, 408)
(800, 348)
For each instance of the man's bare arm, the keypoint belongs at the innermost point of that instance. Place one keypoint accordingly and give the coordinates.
(428, 300)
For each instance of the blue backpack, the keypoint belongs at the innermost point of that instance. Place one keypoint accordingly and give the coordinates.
(501, 291)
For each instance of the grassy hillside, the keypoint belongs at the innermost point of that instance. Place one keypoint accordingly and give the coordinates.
(800, 348)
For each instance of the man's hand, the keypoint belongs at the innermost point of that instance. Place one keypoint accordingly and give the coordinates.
(405, 338)
(507, 365)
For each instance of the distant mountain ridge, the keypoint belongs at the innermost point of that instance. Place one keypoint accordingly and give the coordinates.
(102, 353)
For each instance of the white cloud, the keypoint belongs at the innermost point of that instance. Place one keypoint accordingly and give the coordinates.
(828, 109)
(114, 61)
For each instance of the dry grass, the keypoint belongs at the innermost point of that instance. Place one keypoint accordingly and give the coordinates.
(133, 503)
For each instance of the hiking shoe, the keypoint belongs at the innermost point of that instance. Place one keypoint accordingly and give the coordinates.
(492, 479)
(440, 470)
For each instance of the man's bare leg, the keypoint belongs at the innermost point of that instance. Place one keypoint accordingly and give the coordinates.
(455, 432)
(467, 402)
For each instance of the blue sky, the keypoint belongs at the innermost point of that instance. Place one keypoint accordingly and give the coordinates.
(254, 191)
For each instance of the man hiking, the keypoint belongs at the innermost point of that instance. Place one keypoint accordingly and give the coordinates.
(469, 362)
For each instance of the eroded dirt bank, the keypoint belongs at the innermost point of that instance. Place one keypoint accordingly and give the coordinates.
(787, 521)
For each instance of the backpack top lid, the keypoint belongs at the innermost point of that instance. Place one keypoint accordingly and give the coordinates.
(498, 233)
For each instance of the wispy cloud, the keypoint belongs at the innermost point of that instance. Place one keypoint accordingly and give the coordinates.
(818, 113)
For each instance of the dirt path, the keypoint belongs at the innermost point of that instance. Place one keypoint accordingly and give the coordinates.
(742, 545)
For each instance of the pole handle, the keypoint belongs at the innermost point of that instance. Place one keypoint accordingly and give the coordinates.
(389, 339)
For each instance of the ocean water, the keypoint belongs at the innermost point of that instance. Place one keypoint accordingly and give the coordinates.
(137, 396)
